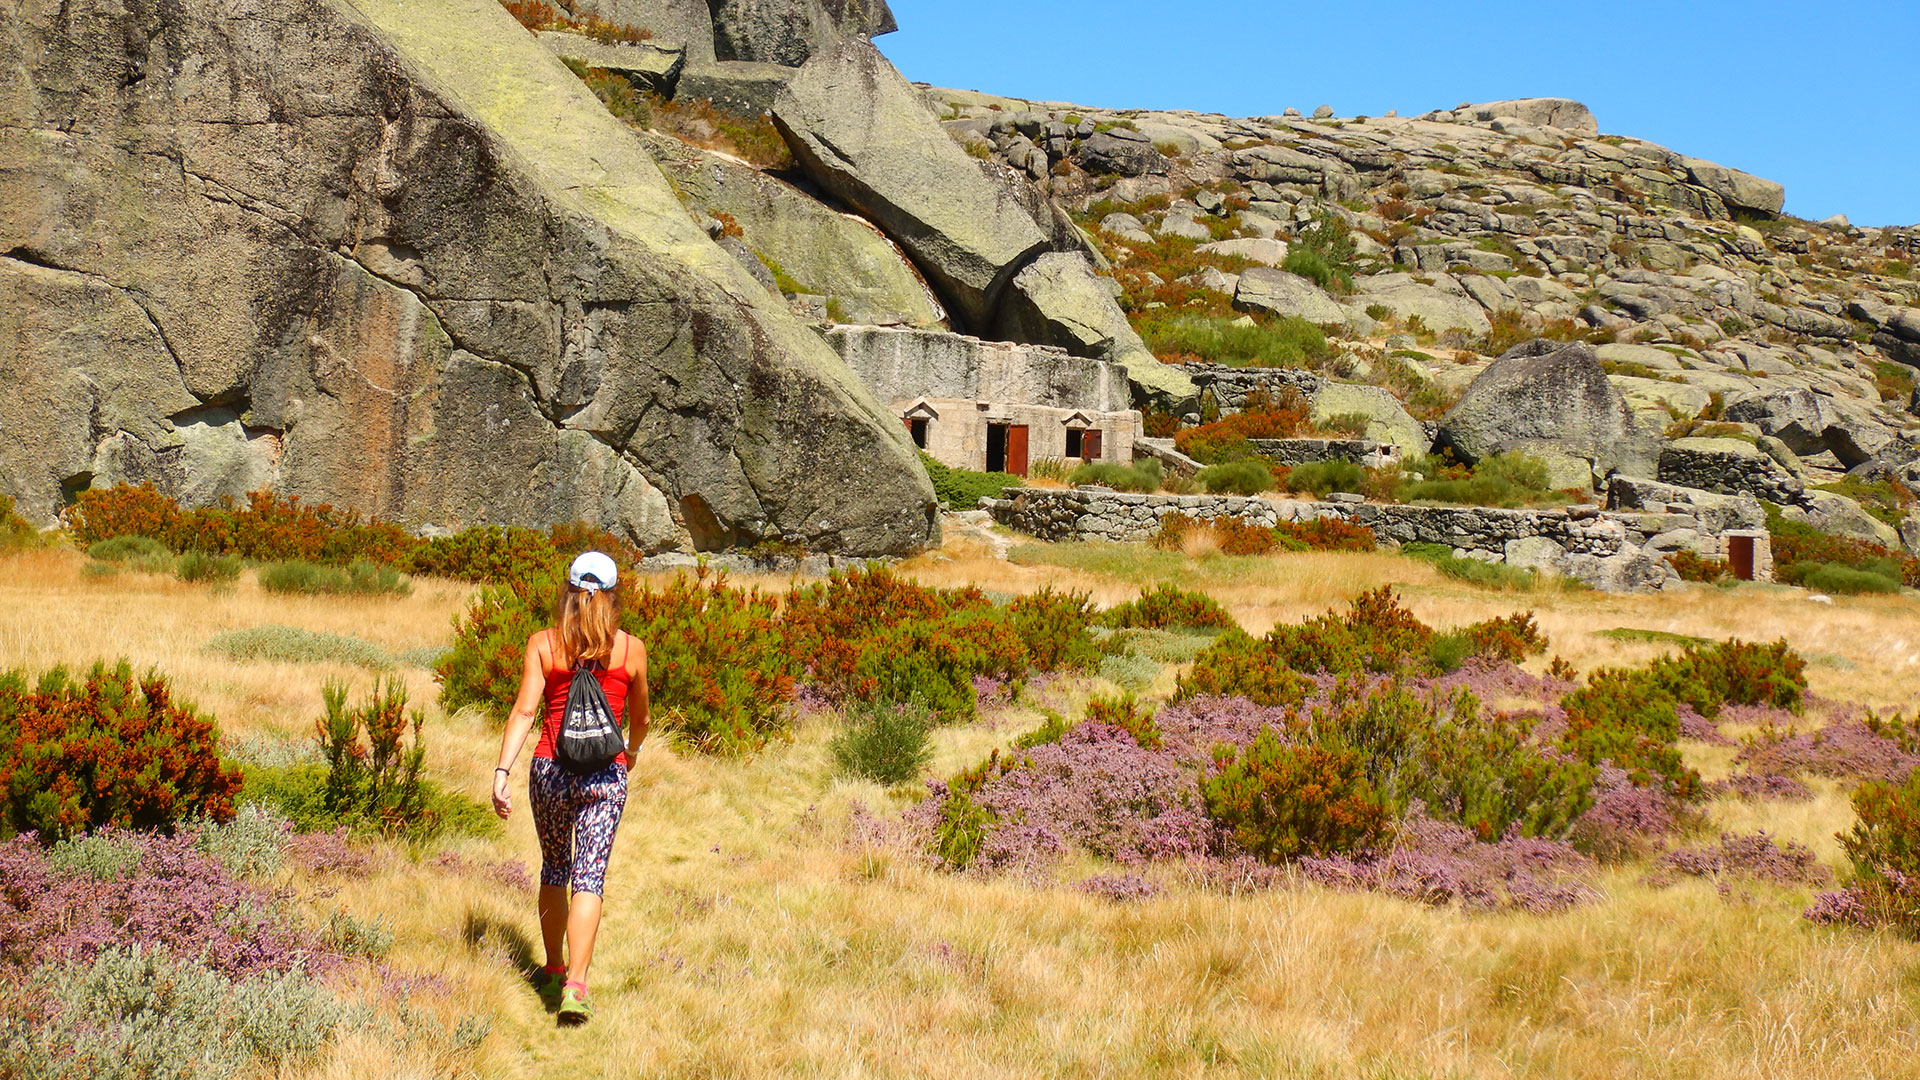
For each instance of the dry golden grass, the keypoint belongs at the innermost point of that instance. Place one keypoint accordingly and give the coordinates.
(745, 937)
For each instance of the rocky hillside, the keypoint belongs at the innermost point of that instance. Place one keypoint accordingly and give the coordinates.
(1426, 246)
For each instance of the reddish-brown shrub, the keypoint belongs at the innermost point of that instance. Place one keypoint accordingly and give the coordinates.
(102, 514)
(107, 750)
(1330, 534)
(1509, 639)
(1262, 417)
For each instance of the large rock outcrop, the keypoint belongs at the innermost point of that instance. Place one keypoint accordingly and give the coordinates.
(823, 251)
(788, 32)
(864, 134)
(395, 256)
(1563, 113)
(861, 130)
(1552, 400)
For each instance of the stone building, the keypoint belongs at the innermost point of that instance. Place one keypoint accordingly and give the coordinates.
(992, 405)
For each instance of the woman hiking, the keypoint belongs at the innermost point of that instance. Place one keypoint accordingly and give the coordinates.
(576, 805)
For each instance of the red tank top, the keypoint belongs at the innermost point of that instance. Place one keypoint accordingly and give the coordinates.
(613, 681)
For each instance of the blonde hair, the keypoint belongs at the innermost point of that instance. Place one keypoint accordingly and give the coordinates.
(586, 624)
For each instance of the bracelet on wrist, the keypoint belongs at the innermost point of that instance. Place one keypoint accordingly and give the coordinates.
(509, 772)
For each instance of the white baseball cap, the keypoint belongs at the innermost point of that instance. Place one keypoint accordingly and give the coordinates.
(593, 572)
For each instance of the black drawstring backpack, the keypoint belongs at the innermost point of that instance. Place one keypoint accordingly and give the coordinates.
(590, 735)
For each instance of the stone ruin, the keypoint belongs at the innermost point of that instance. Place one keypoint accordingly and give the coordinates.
(994, 406)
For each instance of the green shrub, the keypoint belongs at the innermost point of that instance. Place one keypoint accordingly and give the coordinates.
(962, 489)
(1324, 253)
(141, 553)
(202, 569)
(371, 777)
(1237, 478)
(1129, 670)
(109, 749)
(1884, 847)
(1839, 580)
(346, 935)
(1143, 478)
(1314, 267)
(1126, 714)
(1796, 543)
(1053, 626)
(16, 533)
(1164, 607)
(105, 856)
(490, 553)
(885, 742)
(1374, 635)
(1239, 665)
(1282, 801)
(718, 671)
(1325, 477)
(1623, 717)
(133, 1014)
(291, 645)
(311, 579)
(1283, 342)
(1504, 480)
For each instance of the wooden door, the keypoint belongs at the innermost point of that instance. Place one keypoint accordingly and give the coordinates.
(1740, 554)
(1017, 449)
(1090, 446)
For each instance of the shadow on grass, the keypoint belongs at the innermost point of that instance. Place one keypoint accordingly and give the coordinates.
(492, 937)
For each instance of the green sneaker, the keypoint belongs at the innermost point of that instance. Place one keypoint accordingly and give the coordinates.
(575, 1007)
(548, 985)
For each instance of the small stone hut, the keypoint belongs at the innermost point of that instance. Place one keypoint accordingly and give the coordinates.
(993, 405)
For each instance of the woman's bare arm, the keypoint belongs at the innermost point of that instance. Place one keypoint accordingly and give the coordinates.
(639, 706)
(526, 709)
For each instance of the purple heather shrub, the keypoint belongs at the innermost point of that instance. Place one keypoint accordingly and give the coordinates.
(1121, 888)
(331, 853)
(1436, 863)
(1097, 789)
(1760, 716)
(992, 692)
(1753, 788)
(173, 897)
(1751, 855)
(811, 699)
(1841, 907)
(508, 873)
(1192, 728)
(1844, 749)
(1625, 820)
(1700, 729)
(1497, 682)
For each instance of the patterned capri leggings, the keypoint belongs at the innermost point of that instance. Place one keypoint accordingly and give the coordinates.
(576, 817)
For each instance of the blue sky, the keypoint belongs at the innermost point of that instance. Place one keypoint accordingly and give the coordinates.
(1823, 97)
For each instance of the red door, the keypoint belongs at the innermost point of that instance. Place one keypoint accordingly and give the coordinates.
(1090, 446)
(1017, 449)
(1740, 554)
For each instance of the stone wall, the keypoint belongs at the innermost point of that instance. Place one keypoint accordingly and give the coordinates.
(1229, 386)
(1610, 551)
(1729, 467)
(1310, 451)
